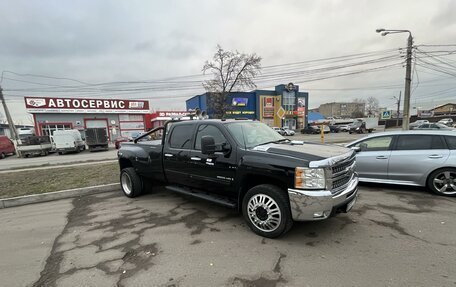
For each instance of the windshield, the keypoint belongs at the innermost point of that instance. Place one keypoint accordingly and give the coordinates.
(251, 134)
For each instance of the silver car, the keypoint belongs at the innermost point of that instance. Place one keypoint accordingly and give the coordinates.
(421, 158)
(434, 126)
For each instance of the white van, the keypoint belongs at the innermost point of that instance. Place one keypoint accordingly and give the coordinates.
(68, 140)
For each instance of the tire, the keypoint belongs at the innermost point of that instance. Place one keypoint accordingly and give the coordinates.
(2, 155)
(444, 177)
(60, 153)
(130, 182)
(257, 217)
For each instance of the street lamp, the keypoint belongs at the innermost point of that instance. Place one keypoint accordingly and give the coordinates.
(408, 73)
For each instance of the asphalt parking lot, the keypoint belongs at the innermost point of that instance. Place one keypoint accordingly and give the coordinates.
(393, 237)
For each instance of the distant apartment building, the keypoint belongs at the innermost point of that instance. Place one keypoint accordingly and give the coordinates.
(343, 110)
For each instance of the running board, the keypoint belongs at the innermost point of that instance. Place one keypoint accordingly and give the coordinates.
(203, 195)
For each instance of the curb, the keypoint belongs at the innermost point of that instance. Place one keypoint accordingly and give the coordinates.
(52, 166)
(56, 195)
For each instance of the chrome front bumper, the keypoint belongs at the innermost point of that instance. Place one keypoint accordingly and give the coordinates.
(309, 205)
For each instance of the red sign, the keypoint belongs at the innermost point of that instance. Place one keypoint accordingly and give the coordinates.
(268, 107)
(82, 105)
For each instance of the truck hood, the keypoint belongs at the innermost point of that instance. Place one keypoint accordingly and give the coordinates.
(305, 151)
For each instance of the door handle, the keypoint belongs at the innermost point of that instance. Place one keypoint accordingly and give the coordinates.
(382, 157)
(168, 155)
(195, 158)
(435, 156)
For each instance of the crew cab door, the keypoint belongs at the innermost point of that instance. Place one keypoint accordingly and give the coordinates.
(213, 173)
(176, 153)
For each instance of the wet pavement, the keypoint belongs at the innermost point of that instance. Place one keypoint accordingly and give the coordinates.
(393, 237)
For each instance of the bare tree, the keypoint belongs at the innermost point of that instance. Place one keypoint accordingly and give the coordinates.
(372, 106)
(359, 100)
(232, 71)
(357, 114)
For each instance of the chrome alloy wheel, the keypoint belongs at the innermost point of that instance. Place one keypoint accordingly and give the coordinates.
(445, 182)
(126, 183)
(264, 212)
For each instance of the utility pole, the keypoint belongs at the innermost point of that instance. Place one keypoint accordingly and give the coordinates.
(10, 120)
(408, 81)
(408, 73)
(398, 108)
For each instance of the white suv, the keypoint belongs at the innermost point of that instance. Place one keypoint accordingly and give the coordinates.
(448, 121)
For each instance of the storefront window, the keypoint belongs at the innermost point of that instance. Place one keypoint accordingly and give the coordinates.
(288, 101)
(49, 129)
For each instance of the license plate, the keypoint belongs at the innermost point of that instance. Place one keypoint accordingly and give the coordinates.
(351, 204)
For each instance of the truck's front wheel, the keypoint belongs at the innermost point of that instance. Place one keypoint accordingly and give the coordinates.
(130, 182)
(266, 210)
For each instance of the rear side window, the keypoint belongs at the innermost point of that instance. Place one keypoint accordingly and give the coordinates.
(451, 142)
(420, 142)
(181, 137)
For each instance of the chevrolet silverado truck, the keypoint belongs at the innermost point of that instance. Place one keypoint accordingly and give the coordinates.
(247, 166)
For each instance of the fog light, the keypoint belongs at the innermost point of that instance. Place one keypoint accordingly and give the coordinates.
(322, 214)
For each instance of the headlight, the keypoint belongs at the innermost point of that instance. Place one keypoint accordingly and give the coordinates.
(310, 178)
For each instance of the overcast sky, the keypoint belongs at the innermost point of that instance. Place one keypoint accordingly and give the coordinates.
(104, 41)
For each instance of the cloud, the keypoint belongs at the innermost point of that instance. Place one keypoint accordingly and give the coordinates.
(102, 41)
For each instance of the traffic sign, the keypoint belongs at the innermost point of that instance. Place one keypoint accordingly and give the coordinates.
(281, 112)
(386, 115)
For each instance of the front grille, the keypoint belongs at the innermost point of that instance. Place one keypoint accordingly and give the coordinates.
(342, 181)
(342, 173)
(342, 166)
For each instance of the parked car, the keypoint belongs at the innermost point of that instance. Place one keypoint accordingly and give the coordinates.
(67, 141)
(34, 145)
(6, 147)
(246, 166)
(363, 125)
(288, 132)
(447, 121)
(434, 126)
(417, 123)
(344, 128)
(421, 158)
(310, 130)
(97, 139)
(334, 128)
(280, 131)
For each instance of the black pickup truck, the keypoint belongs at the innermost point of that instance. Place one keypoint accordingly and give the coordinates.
(247, 166)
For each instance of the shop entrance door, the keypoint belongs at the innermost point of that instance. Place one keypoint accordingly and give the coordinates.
(289, 123)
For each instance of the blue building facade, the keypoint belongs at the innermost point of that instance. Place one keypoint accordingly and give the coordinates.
(283, 106)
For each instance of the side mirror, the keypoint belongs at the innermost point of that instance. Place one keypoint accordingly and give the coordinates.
(207, 145)
(363, 146)
(356, 148)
